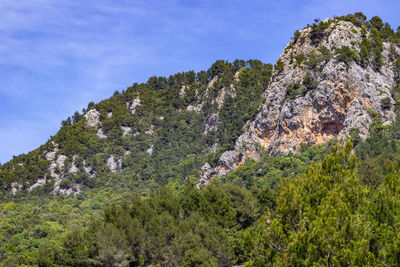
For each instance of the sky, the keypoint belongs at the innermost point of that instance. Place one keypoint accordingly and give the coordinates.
(58, 55)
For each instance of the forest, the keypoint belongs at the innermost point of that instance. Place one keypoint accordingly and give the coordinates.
(335, 204)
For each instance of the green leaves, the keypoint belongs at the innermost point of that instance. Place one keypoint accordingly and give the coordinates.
(328, 217)
(191, 227)
(346, 54)
(279, 66)
(318, 31)
(294, 90)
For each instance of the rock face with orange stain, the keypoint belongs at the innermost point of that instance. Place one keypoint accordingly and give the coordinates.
(308, 103)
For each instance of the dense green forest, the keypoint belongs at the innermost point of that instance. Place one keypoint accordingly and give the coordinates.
(337, 205)
(334, 204)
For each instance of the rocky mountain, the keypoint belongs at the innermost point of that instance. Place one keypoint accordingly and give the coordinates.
(332, 80)
(120, 183)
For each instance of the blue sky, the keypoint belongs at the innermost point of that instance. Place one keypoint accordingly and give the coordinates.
(58, 55)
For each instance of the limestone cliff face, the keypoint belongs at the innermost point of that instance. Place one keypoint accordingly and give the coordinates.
(314, 96)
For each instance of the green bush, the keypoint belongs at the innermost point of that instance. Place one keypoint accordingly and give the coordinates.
(386, 103)
(375, 115)
(294, 90)
(347, 55)
(279, 66)
(296, 37)
(318, 31)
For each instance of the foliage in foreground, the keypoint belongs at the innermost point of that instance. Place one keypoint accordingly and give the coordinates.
(329, 214)
(328, 217)
(80, 230)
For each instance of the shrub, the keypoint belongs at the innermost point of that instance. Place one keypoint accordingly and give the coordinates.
(346, 54)
(355, 136)
(396, 69)
(318, 31)
(279, 66)
(300, 59)
(295, 89)
(375, 115)
(386, 103)
(296, 36)
(365, 49)
(309, 82)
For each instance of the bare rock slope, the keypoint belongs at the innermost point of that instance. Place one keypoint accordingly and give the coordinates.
(320, 89)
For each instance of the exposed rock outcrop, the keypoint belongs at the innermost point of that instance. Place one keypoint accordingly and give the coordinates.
(50, 155)
(132, 106)
(114, 164)
(92, 118)
(126, 130)
(182, 91)
(196, 108)
(75, 189)
(56, 166)
(206, 172)
(150, 150)
(74, 168)
(150, 130)
(100, 133)
(88, 169)
(212, 124)
(332, 98)
(15, 187)
(39, 182)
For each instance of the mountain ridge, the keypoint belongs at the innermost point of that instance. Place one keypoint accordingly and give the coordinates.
(116, 186)
(331, 79)
(139, 124)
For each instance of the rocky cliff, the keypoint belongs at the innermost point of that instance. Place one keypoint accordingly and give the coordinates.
(333, 78)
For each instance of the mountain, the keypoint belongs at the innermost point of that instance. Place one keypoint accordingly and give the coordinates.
(332, 80)
(300, 162)
(149, 134)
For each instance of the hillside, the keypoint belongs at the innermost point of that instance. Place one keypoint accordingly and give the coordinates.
(299, 162)
(150, 134)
